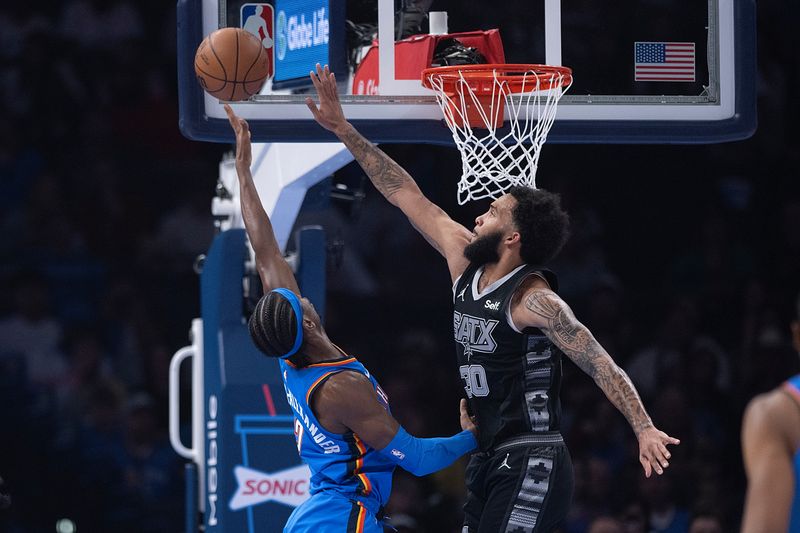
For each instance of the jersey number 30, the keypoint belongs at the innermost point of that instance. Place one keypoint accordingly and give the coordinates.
(474, 380)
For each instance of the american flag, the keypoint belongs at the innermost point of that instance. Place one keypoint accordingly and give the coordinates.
(663, 61)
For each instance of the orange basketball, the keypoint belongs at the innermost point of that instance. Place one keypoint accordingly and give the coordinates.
(231, 64)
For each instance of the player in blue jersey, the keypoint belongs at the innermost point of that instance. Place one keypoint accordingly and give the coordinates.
(771, 448)
(344, 430)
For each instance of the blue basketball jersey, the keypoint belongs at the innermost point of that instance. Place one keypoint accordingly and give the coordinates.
(792, 386)
(340, 463)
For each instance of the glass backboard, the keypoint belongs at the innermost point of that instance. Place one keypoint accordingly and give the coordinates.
(645, 71)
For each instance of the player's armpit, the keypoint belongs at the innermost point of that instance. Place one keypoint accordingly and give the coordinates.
(768, 464)
(447, 236)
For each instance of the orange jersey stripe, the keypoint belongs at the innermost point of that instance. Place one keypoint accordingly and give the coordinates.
(314, 385)
(362, 517)
(362, 449)
(367, 485)
(333, 363)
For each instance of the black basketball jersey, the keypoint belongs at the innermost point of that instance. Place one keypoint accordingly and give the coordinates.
(512, 378)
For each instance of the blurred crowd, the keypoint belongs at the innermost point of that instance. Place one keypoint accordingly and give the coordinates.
(684, 263)
(104, 208)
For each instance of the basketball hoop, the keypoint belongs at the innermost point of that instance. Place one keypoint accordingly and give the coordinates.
(474, 100)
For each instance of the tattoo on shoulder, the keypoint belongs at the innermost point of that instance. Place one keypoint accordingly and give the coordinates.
(560, 319)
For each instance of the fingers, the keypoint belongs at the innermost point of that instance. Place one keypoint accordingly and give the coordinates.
(239, 125)
(664, 452)
(463, 407)
(313, 107)
(655, 466)
(658, 454)
(653, 461)
(324, 81)
(315, 79)
(232, 118)
(650, 465)
(654, 454)
(333, 85)
(318, 78)
(646, 465)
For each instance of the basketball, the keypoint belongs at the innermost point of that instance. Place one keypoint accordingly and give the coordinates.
(231, 64)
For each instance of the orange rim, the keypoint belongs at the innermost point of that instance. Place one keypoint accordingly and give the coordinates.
(517, 77)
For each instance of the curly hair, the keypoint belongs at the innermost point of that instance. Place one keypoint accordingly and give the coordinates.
(273, 325)
(542, 224)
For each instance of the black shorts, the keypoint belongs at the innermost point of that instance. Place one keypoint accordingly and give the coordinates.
(525, 489)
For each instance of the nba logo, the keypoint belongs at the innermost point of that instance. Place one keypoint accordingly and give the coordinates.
(258, 20)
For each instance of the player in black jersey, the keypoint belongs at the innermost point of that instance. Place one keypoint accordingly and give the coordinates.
(511, 329)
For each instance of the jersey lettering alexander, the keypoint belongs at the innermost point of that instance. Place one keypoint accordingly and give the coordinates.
(340, 463)
(512, 379)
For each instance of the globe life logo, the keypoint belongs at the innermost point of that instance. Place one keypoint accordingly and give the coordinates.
(296, 33)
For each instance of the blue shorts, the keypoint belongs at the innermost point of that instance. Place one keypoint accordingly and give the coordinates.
(330, 512)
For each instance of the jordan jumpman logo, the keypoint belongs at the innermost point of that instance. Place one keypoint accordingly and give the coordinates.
(504, 463)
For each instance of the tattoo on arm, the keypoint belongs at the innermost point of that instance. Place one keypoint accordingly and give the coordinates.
(387, 176)
(577, 342)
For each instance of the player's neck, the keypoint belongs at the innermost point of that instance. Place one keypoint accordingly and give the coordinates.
(494, 271)
(322, 349)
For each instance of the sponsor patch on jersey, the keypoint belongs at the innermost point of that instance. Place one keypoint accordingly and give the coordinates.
(492, 306)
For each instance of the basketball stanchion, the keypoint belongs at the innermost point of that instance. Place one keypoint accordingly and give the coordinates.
(477, 100)
(247, 476)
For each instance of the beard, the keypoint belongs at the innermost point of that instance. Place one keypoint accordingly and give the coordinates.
(484, 249)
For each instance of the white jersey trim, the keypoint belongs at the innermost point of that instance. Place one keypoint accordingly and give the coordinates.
(489, 288)
(455, 285)
(508, 307)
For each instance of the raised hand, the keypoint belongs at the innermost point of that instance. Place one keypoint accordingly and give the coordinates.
(329, 114)
(653, 453)
(240, 127)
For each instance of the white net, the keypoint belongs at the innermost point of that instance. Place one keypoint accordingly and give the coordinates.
(495, 158)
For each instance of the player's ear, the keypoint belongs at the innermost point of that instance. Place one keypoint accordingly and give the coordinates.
(512, 238)
(309, 324)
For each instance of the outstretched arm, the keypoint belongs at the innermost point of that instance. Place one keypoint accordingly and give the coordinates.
(443, 233)
(272, 267)
(347, 401)
(768, 452)
(544, 309)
